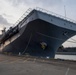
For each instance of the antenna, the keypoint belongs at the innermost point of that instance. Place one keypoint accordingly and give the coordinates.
(65, 11)
(64, 8)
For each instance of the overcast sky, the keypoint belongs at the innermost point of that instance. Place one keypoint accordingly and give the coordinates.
(12, 10)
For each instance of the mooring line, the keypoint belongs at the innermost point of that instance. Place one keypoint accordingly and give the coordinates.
(27, 44)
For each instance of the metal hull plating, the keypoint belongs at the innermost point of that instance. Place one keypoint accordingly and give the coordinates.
(36, 32)
(40, 28)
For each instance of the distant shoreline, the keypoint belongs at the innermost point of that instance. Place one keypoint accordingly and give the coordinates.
(66, 53)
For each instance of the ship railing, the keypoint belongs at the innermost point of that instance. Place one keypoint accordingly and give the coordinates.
(54, 14)
(23, 16)
(44, 11)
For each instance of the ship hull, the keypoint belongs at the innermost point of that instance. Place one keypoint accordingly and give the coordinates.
(30, 37)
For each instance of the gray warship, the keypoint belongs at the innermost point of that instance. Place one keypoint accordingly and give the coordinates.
(39, 33)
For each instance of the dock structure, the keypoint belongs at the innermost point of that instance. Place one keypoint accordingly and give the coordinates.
(14, 65)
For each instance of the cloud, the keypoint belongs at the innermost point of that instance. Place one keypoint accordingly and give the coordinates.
(11, 10)
(17, 7)
(35, 3)
(3, 21)
(51, 5)
(70, 42)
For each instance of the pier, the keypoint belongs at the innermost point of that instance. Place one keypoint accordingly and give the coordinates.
(21, 65)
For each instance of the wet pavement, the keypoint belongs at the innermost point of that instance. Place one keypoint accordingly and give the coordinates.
(13, 65)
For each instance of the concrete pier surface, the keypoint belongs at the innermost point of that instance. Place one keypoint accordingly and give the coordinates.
(14, 65)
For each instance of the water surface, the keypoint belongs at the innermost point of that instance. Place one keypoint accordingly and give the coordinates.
(68, 57)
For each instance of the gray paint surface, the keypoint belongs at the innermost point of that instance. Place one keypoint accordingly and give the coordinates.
(37, 28)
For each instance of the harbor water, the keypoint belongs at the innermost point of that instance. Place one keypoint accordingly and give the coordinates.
(66, 57)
